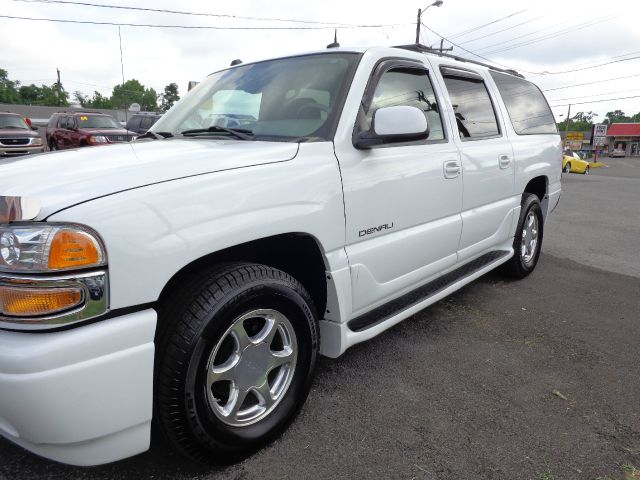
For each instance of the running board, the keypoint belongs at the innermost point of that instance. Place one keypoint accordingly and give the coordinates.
(420, 294)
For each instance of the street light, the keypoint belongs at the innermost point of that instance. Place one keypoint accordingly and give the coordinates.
(437, 3)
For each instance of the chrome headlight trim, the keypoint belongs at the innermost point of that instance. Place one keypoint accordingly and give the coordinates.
(95, 286)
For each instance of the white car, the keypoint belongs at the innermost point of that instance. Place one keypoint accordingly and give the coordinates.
(196, 275)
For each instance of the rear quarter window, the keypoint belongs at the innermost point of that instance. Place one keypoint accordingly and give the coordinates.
(528, 109)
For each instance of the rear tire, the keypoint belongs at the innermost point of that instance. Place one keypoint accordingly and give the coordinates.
(567, 168)
(53, 145)
(528, 239)
(586, 170)
(235, 331)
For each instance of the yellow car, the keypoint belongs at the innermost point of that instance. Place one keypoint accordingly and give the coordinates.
(573, 163)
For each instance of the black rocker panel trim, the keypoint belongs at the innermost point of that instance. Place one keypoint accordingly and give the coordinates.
(388, 310)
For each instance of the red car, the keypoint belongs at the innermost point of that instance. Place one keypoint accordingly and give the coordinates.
(78, 129)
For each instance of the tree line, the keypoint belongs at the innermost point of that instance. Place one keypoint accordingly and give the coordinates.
(583, 121)
(55, 95)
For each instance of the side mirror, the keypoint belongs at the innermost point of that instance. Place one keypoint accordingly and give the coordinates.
(401, 123)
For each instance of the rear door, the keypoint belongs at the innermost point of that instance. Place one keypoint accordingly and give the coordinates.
(402, 207)
(487, 161)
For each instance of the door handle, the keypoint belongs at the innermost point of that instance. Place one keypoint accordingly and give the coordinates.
(451, 169)
(504, 161)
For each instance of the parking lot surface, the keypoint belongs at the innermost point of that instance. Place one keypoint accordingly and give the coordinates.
(502, 380)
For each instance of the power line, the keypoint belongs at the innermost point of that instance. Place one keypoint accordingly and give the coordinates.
(472, 53)
(182, 12)
(552, 35)
(503, 30)
(591, 83)
(587, 68)
(473, 29)
(195, 27)
(596, 101)
(593, 95)
(559, 24)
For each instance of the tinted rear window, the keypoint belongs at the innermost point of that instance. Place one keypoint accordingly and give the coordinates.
(473, 109)
(528, 109)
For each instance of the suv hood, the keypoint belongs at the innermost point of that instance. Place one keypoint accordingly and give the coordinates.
(107, 131)
(64, 178)
(17, 133)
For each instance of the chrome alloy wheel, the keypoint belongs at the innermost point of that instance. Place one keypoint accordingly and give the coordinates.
(529, 238)
(251, 367)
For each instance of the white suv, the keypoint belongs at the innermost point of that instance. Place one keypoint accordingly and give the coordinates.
(195, 275)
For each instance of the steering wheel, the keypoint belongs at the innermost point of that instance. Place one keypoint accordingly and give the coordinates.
(309, 107)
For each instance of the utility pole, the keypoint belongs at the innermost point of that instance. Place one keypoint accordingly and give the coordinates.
(58, 85)
(437, 3)
(566, 127)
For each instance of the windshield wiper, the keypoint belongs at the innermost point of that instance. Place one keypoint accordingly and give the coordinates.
(156, 135)
(241, 133)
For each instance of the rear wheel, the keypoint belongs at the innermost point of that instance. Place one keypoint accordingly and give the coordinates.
(528, 239)
(53, 145)
(567, 168)
(586, 170)
(237, 350)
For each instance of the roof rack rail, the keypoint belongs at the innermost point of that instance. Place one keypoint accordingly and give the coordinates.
(415, 47)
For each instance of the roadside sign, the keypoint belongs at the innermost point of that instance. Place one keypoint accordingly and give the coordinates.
(600, 141)
(600, 130)
(575, 136)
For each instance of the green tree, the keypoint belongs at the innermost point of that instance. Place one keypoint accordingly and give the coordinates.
(169, 97)
(8, 88)
(43, 95)
(617, 116)
(132, 91)
(99, 101)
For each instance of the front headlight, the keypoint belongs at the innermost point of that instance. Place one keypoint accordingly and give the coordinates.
(29, 248)
(36, 141)
(32, 295)
(98, 139)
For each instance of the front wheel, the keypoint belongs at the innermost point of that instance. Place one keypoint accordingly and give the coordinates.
(586, 170)
(567, 168)
(53, 145)
(528, 239)
(237, 349)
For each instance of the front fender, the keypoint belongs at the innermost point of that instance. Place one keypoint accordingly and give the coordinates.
(153, 232)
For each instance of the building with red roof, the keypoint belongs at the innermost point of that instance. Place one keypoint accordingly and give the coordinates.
(626, 137)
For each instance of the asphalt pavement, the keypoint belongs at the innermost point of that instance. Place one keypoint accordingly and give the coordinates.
(536, 379)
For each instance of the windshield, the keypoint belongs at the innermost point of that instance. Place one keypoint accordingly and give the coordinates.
(98, 121)
(290, 99)
(12, 121)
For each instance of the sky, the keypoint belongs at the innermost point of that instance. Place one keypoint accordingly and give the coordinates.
(554, 43)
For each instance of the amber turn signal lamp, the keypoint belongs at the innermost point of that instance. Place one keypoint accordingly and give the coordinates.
(32, 302)
(72, 249)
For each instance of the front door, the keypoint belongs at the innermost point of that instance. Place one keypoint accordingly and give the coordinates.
(402, 201)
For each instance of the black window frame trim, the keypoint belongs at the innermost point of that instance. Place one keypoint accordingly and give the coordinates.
(381, 67)
(468, 75)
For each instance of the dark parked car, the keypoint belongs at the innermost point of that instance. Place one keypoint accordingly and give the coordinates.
(143, 121)
(16, 137)
(81, 129)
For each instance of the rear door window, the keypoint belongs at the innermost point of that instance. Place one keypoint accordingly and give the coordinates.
(528, 109)
(472, 106)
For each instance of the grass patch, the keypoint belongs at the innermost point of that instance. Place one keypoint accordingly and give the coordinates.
(546, 475)
(630, 472)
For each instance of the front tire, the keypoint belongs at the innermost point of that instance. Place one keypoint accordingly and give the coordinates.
(567, 168)
(237, 350)
(53, 145)
(528, 239)
(586, 170)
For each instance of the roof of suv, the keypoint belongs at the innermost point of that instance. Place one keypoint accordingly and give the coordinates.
(415, 48)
